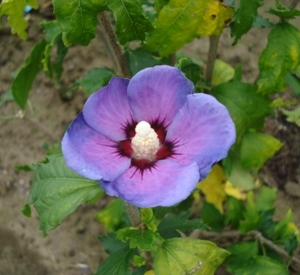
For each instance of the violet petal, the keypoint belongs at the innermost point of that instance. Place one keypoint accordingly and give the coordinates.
(202, 131)
(107, 111)
(91, 154)
(158, 93)
(165, 184)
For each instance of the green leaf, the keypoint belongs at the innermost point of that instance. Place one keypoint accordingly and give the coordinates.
(54, 37)
(212, 217)
(235, 209)
(247, 108)
(179, 22)
(117, 263)
(159, 4)
(294, 82)
(279, 58)
(241, 253)
(168, 227)
(142, 239)
(139, 59)
(24, 79)
(261, 22)
(95, 79)
(285, 13)
(293, 115)
(57, 191)
(112, 215)
(223, 72)
(260, 265)
(244, 18)
(78, 19)
(131, 24)
(188, 256)
(252, 219)
(266, 198)
(257, 148)
(111, 244)
(14, 9)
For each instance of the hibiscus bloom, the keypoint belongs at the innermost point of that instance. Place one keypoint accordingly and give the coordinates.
(149, 140)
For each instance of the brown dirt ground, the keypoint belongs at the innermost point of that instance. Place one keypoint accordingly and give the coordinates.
(73, 247)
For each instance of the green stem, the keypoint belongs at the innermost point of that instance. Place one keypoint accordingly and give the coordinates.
(211, 58)
(112, 45)
(133, 214)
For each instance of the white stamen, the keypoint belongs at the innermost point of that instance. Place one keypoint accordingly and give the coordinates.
(145, 143)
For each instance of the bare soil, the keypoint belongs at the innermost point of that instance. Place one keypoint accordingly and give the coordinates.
(73, 247)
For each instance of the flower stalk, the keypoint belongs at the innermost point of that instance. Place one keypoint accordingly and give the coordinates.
(112, 45)
(133, 214)
(212, 55)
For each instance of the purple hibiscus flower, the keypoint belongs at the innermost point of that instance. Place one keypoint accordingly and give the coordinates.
(149, 140)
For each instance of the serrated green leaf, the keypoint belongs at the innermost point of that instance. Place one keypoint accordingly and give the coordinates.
(247, 108)
(252, 220)
(14, 9)
(139, 59)
(257, 148)
(159, 4)
(111, 244)
(95, 79)
(168, 227)
(244, 18)
(279, 58)
(179, 22)
(142, 239)
(78, 19)
(112, 215)
(260, 265)
(241, 253)
(188, 256)
(293, 115)
(117, 263)
(131, 24)
(57, 191)
(53, 34)
(24, 79)
(261, 22)
(223, 72)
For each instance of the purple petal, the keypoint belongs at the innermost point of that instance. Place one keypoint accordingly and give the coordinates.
(165, 184)
(202, 132)
(158, 93)
(91, 154)
(107, 111)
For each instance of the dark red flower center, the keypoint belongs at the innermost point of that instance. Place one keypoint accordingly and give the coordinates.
(165, 150)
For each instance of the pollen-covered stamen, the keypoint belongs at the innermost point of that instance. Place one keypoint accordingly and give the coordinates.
(145, 143)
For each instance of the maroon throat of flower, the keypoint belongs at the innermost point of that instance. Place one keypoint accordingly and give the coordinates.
(145, 144)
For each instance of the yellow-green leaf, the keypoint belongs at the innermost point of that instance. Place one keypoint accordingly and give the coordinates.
(179, 22)
(188, 256)
(14, 9)
(223, 72)
(213, 187)
(279, 58)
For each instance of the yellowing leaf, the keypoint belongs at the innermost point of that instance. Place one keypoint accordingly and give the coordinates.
(213, 187)
(14, 10)
(235, 192)
(179, 22)
(216, 16)
(223, 72)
